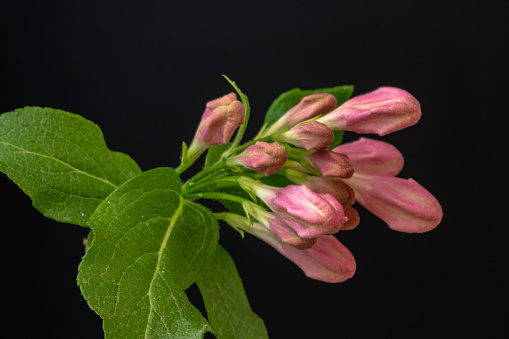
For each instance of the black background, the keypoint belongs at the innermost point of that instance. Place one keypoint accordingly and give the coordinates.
(143, 70)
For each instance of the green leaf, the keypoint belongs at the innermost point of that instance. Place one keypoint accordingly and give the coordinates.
(61, 161)
(214, 154)
(291, 98)
(149, 245)
(227, 306)
(276, 180)
(338, 139)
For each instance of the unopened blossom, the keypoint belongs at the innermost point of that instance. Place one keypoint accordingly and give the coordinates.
(403, 204)
(343, 193)
(280, 227)
(373, 157)
(289, 236)
(310, 214)
(311, 136)
(219, 121)
(328, 260)
(309, 107)
(383, 111)
(261, 157)
(330, 163)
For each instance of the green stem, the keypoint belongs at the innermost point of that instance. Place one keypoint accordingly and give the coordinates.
(207, 172)
(221, 215)
(180, 169)
(189, 156)
(230, 181)
(217, 196)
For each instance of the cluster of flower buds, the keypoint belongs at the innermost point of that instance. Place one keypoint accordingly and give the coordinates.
(300, 217)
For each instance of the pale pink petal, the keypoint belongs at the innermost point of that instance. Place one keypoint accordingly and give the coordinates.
(310, 214)
(403, 204)
(343, 193)
(383, 111)
(328, 260)
(373, 157)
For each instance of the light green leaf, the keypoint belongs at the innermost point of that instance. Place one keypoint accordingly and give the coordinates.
(227, 306)
(61, 161)
(149, 245)
(214, 154)
(291, 98)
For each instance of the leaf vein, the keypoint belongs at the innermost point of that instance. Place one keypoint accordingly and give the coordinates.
(25, 151)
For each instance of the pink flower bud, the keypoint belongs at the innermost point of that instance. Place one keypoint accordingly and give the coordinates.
(373, 157)
(343, 193)
(261, 157)
(383, 111)
(287, 234)
(403, 204)
(331, 164)
(311, 136)
(306, 212)
(328, 260)
(221, 118)
(309, 107)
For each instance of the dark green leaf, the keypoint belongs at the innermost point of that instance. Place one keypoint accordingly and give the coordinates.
(276, 180)
(149, 245)
(61, 161)
(227, 306)
(234, 206)
(291, 98)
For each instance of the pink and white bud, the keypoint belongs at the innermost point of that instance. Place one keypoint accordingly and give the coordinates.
(330, 164)
(261, 157)
(308, 213)
(220, 119)
(328, 260)
(383, 111)
(343, 193)
(309, 107)
(311, 136)
(373, 157)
